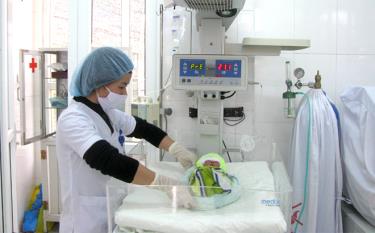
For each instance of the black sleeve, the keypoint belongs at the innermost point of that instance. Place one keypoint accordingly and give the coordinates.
(106, 158)
(147, 131)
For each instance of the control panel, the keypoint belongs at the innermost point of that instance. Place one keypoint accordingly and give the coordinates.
(210, 72)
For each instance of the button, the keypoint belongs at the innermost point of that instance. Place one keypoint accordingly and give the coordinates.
(189, 80)
(205, 95)
(183, 80)
(214, 96)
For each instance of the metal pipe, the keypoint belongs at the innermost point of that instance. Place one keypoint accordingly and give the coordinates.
(161, 12)
(191, 30)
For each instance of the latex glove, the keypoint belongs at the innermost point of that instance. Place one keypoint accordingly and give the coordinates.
(184, 157)
(178, 193)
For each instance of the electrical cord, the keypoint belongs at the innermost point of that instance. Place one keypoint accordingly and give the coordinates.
(225, 146)
(237, 121)
(166, 130)
(223, 97)
(169, 76)
(162, 89)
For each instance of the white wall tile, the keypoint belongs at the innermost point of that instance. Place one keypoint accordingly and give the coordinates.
(246, 127)
(232, 33)
(249, 5)
(277, 132)
(354, 70)
(271, 73)
(331, 32)
(246, 25)
(246, 98)
(316, 20)
(270, 70)
(274, 18)
(243, 26)
(326, 64)
(356, 20)
(229, 139)
(269, 105)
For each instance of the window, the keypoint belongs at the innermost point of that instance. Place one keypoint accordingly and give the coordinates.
(57, 33)
(121, 23)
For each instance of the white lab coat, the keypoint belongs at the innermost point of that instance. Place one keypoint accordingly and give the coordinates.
(321, 211)
(358, 140)
(83, 188)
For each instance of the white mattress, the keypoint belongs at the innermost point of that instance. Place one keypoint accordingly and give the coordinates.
(150, 209)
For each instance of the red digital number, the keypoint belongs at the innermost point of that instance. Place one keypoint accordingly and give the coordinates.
(224, 67)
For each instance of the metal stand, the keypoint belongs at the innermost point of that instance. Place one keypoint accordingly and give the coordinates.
(210, 122)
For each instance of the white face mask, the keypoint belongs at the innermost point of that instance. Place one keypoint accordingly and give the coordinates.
(112, 100)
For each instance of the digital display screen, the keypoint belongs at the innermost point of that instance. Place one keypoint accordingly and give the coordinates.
(224, 66)
(192, 67)
(228, 68)
(196, 66)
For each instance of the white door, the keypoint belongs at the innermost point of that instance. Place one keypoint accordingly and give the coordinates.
(7, 124)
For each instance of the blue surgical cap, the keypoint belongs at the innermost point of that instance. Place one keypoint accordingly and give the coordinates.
(102, 66)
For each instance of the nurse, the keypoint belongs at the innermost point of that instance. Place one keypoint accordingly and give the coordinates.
(90, 134)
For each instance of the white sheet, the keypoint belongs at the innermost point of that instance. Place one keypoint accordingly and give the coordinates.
(358, 133)
(253, 212)
(315, 166)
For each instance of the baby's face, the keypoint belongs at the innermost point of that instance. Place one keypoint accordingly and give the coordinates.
(212, 163)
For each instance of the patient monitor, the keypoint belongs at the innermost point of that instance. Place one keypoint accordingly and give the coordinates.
(210, 72)
(209, 76)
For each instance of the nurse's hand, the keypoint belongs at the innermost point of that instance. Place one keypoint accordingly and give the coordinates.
(178, 193)
(185, 157)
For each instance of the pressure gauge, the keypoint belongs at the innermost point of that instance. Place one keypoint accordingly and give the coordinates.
(299, 73)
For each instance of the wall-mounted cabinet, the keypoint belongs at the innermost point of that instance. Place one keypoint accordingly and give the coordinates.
(43, 92)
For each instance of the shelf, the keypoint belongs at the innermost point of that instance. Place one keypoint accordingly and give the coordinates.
(283, 44)
(265, 47)
(59, 74)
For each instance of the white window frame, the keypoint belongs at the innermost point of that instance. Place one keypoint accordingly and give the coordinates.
(7, 126)
(80, 33)
(152, 46)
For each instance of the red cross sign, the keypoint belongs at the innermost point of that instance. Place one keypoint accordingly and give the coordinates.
(33, 65)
